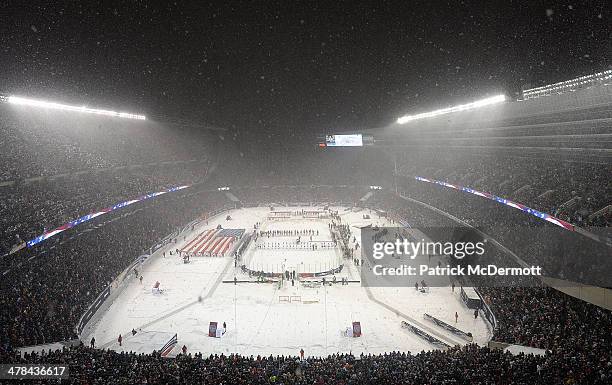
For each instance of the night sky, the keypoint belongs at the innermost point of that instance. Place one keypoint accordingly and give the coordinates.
(288, 66)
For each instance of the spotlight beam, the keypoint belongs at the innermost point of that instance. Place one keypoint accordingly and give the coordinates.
(65, 107)
(462, 107)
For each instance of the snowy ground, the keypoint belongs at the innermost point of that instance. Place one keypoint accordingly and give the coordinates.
(258, 322)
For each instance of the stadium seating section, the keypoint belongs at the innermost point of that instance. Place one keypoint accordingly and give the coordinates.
(58, 166)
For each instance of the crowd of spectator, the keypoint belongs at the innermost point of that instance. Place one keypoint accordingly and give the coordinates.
(44, 304)
(27, 210)
(468, 365)
(547, 153)
(548, 319)
(45, 143)
(562, 254)
(46, 289)
(570, 191)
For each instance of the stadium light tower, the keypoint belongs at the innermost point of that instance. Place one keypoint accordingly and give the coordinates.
(65, 107)
(461, 107)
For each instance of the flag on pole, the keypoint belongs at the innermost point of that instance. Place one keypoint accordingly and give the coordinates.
(167, 348)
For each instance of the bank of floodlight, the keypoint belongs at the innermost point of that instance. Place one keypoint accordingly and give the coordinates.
(462, 107)
(65, 107)
(568, 85)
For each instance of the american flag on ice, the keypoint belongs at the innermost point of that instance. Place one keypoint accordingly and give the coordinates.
(167, 348)
(213, 242)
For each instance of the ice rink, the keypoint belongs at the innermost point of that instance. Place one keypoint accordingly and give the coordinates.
(264, 319)
(274, 252)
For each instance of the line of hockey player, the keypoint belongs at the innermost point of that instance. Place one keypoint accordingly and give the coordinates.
(297, 245)
(288, 233)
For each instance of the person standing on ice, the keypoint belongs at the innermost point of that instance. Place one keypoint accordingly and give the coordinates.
(120, 340)
(92, 343)
(456, 317)
(302, 354)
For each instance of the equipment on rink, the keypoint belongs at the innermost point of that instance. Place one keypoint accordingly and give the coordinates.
(212, 329)
(352, 331)
(450, 328)
(426, 336)
(157, 288)
(471, 298)
(289, 298)
(311, 284)
(356, 329)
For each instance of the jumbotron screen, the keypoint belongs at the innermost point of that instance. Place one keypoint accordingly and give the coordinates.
(354, 140)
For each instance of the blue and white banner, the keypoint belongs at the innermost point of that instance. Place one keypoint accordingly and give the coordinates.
(48, 234)
(507, 202)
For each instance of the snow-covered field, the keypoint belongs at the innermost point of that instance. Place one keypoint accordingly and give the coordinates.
(259, 319)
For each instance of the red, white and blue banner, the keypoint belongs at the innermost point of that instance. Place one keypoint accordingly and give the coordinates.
(214, 242)
(167, 348)
(507, 202)
(48, 234)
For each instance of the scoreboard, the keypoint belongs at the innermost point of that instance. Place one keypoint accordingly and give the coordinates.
(345, 140)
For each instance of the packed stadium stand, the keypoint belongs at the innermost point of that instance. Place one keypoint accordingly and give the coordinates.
(550, 153)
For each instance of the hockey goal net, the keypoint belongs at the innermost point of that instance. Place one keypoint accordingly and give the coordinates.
(289, 298)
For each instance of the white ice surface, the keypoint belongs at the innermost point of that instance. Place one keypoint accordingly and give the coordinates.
(257, 322)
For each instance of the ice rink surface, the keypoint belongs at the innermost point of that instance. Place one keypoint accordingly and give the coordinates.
(263, 318)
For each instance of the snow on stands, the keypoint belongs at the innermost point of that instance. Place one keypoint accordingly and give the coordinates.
(269, 318)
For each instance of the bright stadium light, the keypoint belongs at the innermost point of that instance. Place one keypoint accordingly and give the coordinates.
(568, 85)
(57, 106)
(462, 107)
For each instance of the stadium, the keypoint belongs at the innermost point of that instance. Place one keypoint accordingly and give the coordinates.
(464, 243)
